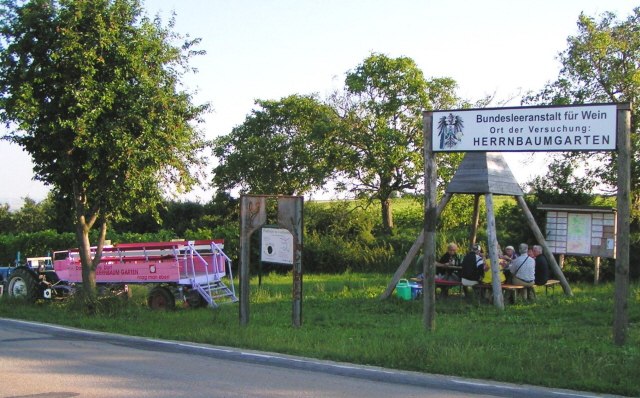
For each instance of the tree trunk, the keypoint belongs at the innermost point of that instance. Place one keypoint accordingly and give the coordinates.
(89, 262)
(387, 215)
(88, 291)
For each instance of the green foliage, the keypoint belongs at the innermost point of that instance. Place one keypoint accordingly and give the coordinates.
(31, 217)
(346, 219)
(34, 244)
(7, 224)
(285, 148)
(458, 214)
(335, 254)
(601, 64)
(339, 236)
(90, 89)
(581, 269)
(561, 186)
(381, 135)
(511, 224)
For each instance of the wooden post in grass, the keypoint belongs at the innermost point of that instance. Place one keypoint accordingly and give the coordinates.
(430, 220)
(545, 248)
(621, 302)
(252, 215)
(498, 300)
(476, 220)
(413, 251)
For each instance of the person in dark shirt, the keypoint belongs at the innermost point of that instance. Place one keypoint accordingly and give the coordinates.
(450, 258)
(472, 266)
(542, 266)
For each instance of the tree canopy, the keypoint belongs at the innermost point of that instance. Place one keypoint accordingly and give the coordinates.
(366, 139)
(91, 90)
(601, 64)
(381, 135)
(283, 147)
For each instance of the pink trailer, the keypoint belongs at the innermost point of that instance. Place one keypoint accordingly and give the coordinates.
(191, 269)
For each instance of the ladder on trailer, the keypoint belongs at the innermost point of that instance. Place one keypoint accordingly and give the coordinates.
(209, 284)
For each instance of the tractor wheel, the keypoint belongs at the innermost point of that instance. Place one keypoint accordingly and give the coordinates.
(23, 285)
(161, 298)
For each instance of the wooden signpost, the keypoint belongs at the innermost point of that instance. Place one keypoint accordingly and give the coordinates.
(594, 127)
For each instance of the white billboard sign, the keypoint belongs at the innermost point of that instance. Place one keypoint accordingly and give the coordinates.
(277, 246)
(570, 128)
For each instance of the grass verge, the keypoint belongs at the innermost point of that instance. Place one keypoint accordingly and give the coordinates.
(556, 341)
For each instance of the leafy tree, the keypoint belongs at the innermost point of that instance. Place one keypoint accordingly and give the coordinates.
(90, 89)
(221, 210)
(284, 147)
(561, 186)
(60, 209)
(181, 216)
(381, 137)
(138, 222)
(7, 224)
(602, 64)
(32, 216)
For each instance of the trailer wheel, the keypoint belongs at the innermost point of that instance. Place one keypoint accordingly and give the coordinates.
(195, 299)
(22, 285)
(161, 298)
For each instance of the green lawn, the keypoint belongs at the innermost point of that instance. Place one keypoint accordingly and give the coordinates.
(556, 341)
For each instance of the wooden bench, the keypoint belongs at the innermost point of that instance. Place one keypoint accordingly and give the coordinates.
(551, 283)
(513, 290)
(485, 289)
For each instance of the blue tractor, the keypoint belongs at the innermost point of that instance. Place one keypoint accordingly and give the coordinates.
(29, 281)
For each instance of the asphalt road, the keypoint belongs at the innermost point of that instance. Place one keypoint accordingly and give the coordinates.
(47, 361)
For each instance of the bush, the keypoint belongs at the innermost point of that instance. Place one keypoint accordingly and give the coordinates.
(349, 220)
(331, 254)
(33, 244)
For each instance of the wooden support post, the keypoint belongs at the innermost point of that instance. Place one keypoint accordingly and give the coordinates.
(252, 215)
(430, 220)
(596, 271)
(476, 221)
(621, 301)
(290, 211)
(498, 300)
(547, 252)
(561, 261)
(413, 251)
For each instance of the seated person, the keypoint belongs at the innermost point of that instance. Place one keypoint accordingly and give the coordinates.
(472, 266)
(488, 277)
(522, 269)
(542, 266)
(451, 257)
(508, 256)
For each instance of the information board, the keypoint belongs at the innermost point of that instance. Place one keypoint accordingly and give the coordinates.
(579, 233)
(277, 246)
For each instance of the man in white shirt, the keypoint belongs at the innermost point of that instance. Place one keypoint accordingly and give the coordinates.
(523, 268)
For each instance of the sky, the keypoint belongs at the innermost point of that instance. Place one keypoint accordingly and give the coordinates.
(269, 49)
